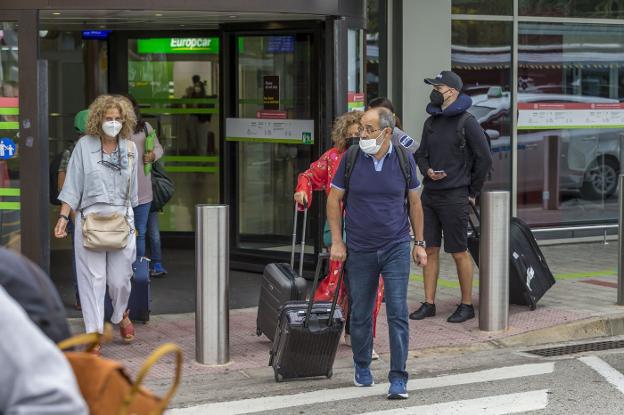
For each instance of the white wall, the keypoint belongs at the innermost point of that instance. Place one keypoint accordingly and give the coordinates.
(426, 51)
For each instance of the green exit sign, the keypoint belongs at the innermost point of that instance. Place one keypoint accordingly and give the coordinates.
(180, 45)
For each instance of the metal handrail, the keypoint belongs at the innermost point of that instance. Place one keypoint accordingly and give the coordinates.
(575, 228)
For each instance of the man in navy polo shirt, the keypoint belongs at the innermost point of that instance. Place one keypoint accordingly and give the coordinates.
(378, 241)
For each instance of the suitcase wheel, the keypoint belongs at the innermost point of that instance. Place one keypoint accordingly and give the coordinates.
(278, 378)
(258, 332)
(330, 374)
(532, 307)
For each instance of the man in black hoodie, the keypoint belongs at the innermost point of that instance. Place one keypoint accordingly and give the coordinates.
(454, 159)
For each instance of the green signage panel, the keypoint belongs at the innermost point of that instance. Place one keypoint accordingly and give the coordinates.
(188, 45)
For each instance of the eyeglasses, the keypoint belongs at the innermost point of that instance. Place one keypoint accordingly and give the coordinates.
(368, 130)
(111, 165)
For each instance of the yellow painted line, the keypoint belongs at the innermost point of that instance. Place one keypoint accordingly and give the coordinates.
(191, 169)
(191, 159)
(9, 191)
(9, 205)
(179, 101)
(9, 125)
(175, 111)
(266, 140)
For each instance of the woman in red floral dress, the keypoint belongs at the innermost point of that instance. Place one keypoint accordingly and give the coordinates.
(319, 177)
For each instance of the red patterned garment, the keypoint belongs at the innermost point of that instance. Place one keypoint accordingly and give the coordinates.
(319, 177)
(320, 174)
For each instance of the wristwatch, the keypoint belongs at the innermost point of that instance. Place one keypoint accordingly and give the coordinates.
(64, 217)
(420, 243)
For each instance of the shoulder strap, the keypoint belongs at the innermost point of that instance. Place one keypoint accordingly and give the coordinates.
(405, 165)
(427, 125)
(130, 146)
(461, 129)
(350, 159)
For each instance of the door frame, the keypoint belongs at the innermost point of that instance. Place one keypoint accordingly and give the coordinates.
(33, 138)
(253, 259)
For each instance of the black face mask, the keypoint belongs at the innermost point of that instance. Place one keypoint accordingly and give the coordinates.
(352, 140)
(436, 97)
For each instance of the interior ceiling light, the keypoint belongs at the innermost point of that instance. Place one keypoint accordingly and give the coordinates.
(158, 15)
(56, 13)
(233, 16)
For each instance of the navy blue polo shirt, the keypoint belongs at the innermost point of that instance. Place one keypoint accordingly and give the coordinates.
(376, 213)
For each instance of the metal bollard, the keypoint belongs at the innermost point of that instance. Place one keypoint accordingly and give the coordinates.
(212, 268)
(620, 286)
(494, 261)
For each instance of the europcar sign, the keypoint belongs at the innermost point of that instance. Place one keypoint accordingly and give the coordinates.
(179, 45)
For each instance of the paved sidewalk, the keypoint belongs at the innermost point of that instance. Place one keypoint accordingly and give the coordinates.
(585, 288)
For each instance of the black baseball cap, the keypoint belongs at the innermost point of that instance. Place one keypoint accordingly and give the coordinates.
(448, 78)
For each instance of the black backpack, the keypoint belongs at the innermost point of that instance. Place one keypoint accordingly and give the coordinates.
(54, 167)
(27, 284)
(351, 158)
(460, 132)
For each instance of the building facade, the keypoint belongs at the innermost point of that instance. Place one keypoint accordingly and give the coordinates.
(274, 74)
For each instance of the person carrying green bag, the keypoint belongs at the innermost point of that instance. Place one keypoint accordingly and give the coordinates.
(150, 141)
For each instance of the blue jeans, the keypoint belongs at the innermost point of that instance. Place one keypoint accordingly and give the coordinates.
(141, 214)
(153, 233)
(362, 272)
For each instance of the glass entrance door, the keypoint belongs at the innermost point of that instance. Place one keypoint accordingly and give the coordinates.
(273, 131)
(175, 79)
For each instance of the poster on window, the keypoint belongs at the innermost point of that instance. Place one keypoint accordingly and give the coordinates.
(555, 116)
(271, 99)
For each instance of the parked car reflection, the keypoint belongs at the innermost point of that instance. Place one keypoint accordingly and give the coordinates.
(589, 158)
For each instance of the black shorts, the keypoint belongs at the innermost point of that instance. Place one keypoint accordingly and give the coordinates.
(446, 212)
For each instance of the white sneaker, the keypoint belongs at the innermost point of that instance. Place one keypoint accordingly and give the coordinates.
(347, 340)
(374, 355)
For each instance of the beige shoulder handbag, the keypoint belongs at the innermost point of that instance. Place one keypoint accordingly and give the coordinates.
(108, 232)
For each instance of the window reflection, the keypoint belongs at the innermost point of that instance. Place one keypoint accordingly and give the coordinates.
(570, 87)
(481, 55)
(494, 7)
(612, 9)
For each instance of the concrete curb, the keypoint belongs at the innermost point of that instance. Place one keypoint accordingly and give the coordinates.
(585, 329)
(593, 327)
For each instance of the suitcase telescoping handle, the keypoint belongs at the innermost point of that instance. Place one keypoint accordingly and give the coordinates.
(294, 238)
(324, 256)
(478, 216)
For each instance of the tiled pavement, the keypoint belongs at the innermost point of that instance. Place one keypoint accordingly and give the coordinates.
(572, 298)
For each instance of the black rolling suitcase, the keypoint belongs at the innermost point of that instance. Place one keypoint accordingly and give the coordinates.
(529, 275)
(307, 336)
(280, 283)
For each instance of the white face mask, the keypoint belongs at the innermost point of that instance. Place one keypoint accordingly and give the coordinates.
(111, 128)
(370, 146)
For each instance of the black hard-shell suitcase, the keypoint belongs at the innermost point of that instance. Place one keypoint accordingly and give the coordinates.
(529, 275)
(280, 284)
(307, 336)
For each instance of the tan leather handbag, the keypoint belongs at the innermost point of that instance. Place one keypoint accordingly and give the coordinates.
(108, 232)
(108, 389)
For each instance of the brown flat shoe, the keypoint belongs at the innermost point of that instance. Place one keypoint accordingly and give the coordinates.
(126, 328)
